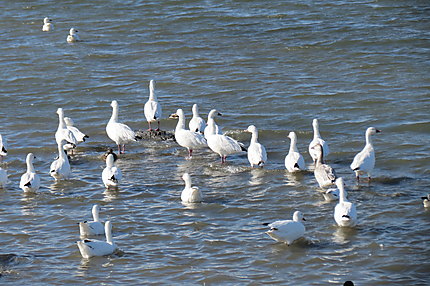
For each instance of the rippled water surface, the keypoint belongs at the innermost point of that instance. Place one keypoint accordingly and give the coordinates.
(351, 64)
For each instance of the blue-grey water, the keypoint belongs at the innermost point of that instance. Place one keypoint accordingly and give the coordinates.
(274, 64)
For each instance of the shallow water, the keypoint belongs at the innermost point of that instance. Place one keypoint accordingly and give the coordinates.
(350, 64)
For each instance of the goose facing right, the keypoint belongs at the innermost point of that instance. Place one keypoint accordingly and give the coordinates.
(287, 231)
(90, 248)
(47, 25)
(73, 36)
(364, 162)
(30, 181)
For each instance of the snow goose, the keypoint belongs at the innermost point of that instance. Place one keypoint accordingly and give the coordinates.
(73, 36)
(90, 248)
(63, 133)
(95, 227)
(257, 155)
(364, 162)
(345, 213)
(47, 25)
(294, 161)
(211, 125)
(190, 194)
(119, 132)
(197, 124)
(186, 138)
(60, 168)
(152, 108)
(426, 201)
(317, 140)
(324, 174)
(3, 148)
(80, 137)
(111, 174)
(287, 231)
(110, 151)
(331, 194)
(3, 178)
(30, 181)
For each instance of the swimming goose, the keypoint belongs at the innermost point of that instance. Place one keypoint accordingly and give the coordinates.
(345, 213)
(331, 194)
(364, 162)
(186, 138)
(80, 137)
(90, 248)
(3, 178)
(47, 25)
(426, 201)
(197, 124)
(257, 155)
(190, 194)
(63, 133)
(60, 168)
(152, 108)
(294, 161)
(30, 181)
(324, 174)
(317, 140)
(3, 148)
(211, 125)
(111, 174)
(73, 36)
(119, 132)
(95, 227)
(287, 231)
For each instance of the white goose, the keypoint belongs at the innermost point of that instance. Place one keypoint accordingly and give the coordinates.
(331, 194)
(257, 155)
(294, 161)
(324, 174)
(287, 231)
(364, 162)
(73, 36)
(90, 248)
(426, 201)
(317, 140)
(119, 132)
(3, 178)
(47, 25)
(190, 194)
(30, 181)
(60, 168)
(95, 227)
(3, 148)
(111, 174)
(211, 125)
(186, 138)
(345, 213)
(197, 124)
(80, 137)
(152, 108)
(63, 133)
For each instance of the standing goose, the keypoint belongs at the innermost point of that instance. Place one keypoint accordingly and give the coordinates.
(197, 124)
(152, 108)
(90, 248)
(294, 161)
(95, 227)
(73, 36)
(257, 155)
(364, 162)
(63, 133)
(119, 132)
(345, 213)
(211, 126)
(324, 174)
(60, 168)
(187, 138)
(287, 231)
(30, 181)
(80, 137)
(3, 148)
(111, 174)
(317, 140)
(47, 25)
(190, 194)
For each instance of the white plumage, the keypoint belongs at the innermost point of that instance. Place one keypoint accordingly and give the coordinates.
(80, 137)
(95, 227)
(345, 213)
(111, 174)
(331, 194)
(3, 148)
(47, 25)
(211, 126)
(287, 231)
(30, 181)
(197, 124)
(426, 201)
(3, 178)
(63, 133)
(364, 162)
(90, 248)
(73, 36)
(294, 161)
(324, 173)
(317, 140)
(152, 108)
(257, 155)
(190, 194)
(60, 168)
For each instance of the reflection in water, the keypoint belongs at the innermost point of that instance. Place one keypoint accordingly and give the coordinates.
(111, 194)
(293, 179)
(29, 203)
(343, 235)
(257, 177)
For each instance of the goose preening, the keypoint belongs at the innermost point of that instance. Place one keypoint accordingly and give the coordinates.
(63, 133)
(364, 162)
(287, 231)
(80, 137)
(196, 124)
(187, 138)
(426, 201)
(47, 25)
(73, 36)
(95, 227)
(211, 125)
(60, 168)
(90, 248)
(152, 108)
(111, 174)
(3, 178)
(3, 148)
(190, 194)
(257, 155)
(331, 194)
(345, 213)
(324, 173)
(317, 140)
(30, 181)
(294, 161)
(119, 132)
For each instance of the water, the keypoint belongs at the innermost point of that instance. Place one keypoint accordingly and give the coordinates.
(352, 64)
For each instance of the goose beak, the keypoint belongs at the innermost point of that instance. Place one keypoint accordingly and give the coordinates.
(378, 131)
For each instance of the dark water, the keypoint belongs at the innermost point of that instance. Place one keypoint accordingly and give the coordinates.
(351, 64)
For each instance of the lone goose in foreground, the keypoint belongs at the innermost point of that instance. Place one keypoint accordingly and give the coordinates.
(294, 161)
(187, 138)
(30, 181)
(287, 231)
(90, 248)
(63, 133)
(197, 124)
(364, 162)
(345, 213)
(152, 108)
(3, 178)
(426, 201)
(211, 125)
(80, 137)
(3, 148)
(95, 227)
(47, 25)
(111, 174)
(119, 132)
(60, 168)
(190, 194)
(73, 36)
(257, 155)
(324, 174)
(317, 140)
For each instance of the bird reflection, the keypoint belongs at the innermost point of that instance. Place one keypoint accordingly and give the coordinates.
(343, 235)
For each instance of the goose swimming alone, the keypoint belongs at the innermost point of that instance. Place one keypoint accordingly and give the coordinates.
(73, 36)
(190, 194)
(47, 25)
(90, 248)
(63, 133)
(196, 124)
(152, 108)
(111, 174)
(211, 126)
(257, 155)
(287, 231)
(95, 227)
(60, 168)
(345, 213)
(30, 181)
(324, 173)
(317, 140)
(364, 162)
(294, 161)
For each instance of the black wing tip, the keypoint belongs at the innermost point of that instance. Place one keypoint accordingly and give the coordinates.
(296, 166)
(356, 169)
(243, 148)
(265, 223)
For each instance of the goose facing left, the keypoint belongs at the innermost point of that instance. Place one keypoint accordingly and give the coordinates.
(30, 181)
